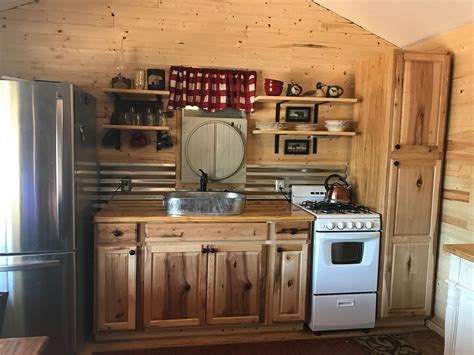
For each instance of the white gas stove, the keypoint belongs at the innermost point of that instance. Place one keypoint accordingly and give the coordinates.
(345, 261)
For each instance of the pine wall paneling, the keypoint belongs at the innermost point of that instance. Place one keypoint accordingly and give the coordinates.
(295, 41)
(457, 214)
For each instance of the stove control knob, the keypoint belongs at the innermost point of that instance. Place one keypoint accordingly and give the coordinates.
(350, 225)
(358, 225)
(369, 225)
(330, 225)
(340, 225)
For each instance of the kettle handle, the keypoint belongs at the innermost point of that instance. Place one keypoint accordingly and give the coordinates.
(340, 178)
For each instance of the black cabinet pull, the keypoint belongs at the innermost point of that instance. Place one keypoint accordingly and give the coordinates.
(279, 249)
(396, 163)
(205, 250)
(117, 233)
(212, 250)
(293, 231)
(132, 252)
(397, 146)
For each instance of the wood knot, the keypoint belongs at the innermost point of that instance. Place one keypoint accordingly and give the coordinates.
(419, 182)
(187, 287)
(247, 286)
(290, 283)
(235, 263)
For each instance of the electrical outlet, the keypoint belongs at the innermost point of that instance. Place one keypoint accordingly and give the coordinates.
(279, 185)
(126, 184)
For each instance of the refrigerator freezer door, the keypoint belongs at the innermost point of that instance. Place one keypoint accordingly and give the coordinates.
(40, 298)
(36, 184)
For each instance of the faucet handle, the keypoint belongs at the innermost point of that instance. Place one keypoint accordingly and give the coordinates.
(203, 173)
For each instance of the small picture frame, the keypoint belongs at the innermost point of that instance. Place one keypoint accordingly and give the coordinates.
(298, 114)
(297, 146)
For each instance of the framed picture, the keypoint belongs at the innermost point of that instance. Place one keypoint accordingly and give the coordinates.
(298, 114)
(297, 146)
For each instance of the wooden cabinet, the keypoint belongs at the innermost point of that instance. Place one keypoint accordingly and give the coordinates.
(200, 274)
(396, 168)
(116, 287)
(290, 282)
(420, 102)
(235, 284)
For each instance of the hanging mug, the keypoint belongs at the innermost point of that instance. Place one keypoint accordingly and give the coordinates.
(334, 91)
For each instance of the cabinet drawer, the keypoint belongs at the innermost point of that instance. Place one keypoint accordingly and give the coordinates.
(116, 232)
(293, 230)
(205, 231)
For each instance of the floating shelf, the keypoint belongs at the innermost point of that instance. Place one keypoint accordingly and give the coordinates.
(136, 92)
(306, 99)
(135, 128)
(303, 133)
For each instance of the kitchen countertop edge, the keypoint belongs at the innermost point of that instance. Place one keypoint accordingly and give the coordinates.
(464, 251)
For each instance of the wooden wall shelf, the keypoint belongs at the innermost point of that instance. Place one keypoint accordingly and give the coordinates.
(136, 92)
(135, 128)
(302, 133)
(306, 99)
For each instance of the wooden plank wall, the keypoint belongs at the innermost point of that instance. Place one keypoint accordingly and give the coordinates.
(295, 41)
(457, 213)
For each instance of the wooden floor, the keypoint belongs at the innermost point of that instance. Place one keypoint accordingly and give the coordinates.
(298, 343)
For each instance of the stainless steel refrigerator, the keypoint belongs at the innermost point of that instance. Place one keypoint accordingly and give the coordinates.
(48, 188)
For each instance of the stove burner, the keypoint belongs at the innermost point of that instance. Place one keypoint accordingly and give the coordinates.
(335, 208)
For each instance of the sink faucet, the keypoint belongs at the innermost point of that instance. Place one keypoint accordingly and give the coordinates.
(203, 181)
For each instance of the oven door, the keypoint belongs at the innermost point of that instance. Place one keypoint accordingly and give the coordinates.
(345, 262)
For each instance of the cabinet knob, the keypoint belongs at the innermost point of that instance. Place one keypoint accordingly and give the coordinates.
(279, 249)
(396, 163)
(132, 252)
(212, 250)
(117, 233)
(397, 146)
(205, 250)
(293, 231)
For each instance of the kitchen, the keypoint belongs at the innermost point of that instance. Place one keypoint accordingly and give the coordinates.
(299, 43)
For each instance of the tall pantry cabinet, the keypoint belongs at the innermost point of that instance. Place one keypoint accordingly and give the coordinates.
(396, 167)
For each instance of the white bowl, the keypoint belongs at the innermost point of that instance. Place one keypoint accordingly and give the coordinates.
(337, 122)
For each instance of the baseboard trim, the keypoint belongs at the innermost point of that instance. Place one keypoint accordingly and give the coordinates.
(435, 327)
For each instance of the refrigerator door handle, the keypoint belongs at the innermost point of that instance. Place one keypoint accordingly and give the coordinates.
(29, 265)
(59, 156)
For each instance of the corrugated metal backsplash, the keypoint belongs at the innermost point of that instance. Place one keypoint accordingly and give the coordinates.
(150, 181)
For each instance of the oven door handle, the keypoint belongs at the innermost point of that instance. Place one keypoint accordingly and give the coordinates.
(353, 237)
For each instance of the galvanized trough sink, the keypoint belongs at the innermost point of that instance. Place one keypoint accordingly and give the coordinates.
(181, 203)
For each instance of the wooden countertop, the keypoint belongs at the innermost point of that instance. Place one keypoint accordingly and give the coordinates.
(465, 251)
(153, 211)
(28, 345)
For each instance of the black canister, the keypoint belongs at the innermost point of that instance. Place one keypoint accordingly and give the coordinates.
(155, 79)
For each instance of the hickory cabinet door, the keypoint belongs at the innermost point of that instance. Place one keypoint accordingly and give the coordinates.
(411, 228)
(289, 289)
(174, 285)
(235, 284)
(116, 287)
(420, 102)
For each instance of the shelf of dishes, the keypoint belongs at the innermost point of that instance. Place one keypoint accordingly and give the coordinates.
(301, 133)
(306, 99)
(335, 126)
(135, 128)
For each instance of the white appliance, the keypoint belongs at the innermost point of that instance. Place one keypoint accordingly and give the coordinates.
(345, 261)
(215, 143)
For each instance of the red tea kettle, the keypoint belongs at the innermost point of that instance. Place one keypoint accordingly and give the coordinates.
(337, 192)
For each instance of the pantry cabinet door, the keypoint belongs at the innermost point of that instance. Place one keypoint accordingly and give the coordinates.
(116, 287)
(411, 237)
(420, 102)
(174, 285)
(289, 288)
(236, 284)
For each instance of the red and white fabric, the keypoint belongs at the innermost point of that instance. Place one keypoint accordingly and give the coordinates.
(212, 89)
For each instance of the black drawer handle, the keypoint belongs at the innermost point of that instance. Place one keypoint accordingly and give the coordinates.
(396, 163)
(397, 146)
(280, 249)
(117, 233)
(132, 252)
(293, 231)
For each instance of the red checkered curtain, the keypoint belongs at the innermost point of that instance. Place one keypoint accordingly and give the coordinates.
(212, 89)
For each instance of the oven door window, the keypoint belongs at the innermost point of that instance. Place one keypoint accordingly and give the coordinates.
(347, 252)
